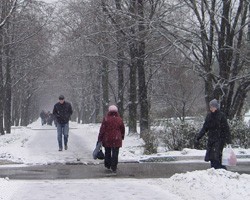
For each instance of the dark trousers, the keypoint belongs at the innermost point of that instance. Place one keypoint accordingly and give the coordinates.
(111, 157)
(217, 165)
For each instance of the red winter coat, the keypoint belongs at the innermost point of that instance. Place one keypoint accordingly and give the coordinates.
(112, 130)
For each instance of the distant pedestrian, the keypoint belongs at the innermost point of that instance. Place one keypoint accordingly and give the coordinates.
(50, 118)
(43, 117)
(111, 134)
(217, 128)
(62, 112)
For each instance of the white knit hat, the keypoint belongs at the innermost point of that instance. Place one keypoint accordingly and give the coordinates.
(113, 108)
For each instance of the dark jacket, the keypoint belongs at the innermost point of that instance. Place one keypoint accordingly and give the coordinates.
(62, 112)
(112, 130)
(43, 115)
(218, 132)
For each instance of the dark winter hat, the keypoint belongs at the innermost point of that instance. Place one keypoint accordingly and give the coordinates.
(214, 103)
(61, 97)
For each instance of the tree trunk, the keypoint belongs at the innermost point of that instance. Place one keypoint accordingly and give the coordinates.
(97, 92)
(132, 98)
(105, 85)
(25, 111)
(8, 95)
(132, 92)
(132, 76)
(120, 58)
(1, 83)
(16, 109)
(7, 106)
(143, 101)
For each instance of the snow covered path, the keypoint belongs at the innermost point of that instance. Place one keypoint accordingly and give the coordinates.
(37, 145)
(44, 148)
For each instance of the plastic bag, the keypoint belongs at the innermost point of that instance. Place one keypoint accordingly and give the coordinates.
(100, 155)
(97, 153)
(228, 156)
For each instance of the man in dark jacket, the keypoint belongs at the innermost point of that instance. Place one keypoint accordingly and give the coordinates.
(218, 134)
(112, 132)
(62, 112)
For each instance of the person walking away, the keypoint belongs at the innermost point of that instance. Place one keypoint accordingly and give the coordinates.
(62, 112)
(43, 117)
(50, 118)
(111, 134)
(217, 129)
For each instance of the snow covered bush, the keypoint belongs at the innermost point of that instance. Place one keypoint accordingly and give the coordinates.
(240, 133)
(176, 134)
(151, 143)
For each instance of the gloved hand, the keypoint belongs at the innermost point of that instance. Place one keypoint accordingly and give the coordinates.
(196, 142)
(99, 143)
(228, 144)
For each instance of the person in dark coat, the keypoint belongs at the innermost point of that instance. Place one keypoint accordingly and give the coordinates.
(43, 117)
(50, 118)
(217, 128)
(111, 134)
(62, 112)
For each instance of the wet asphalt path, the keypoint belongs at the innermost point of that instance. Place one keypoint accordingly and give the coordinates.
(76, 169)
(125, 170)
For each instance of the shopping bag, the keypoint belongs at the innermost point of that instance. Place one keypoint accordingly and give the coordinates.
(228, 156)
(97, 153)
(100, 155)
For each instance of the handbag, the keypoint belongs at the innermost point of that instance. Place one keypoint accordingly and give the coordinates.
(100, 155)
(97, 153)
(228, 156)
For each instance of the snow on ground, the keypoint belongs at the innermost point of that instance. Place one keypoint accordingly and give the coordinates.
(37, 144)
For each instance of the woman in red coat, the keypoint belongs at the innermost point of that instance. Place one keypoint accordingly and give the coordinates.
(111, 134)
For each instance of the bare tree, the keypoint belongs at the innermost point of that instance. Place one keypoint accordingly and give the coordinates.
(6, 10)
(215, 33)
(82, 58)
(30, 50)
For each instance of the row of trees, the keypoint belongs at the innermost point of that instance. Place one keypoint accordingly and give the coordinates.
(118, 45)
(218, 40)
(153, 58)
(24, 45)
(144, 53)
